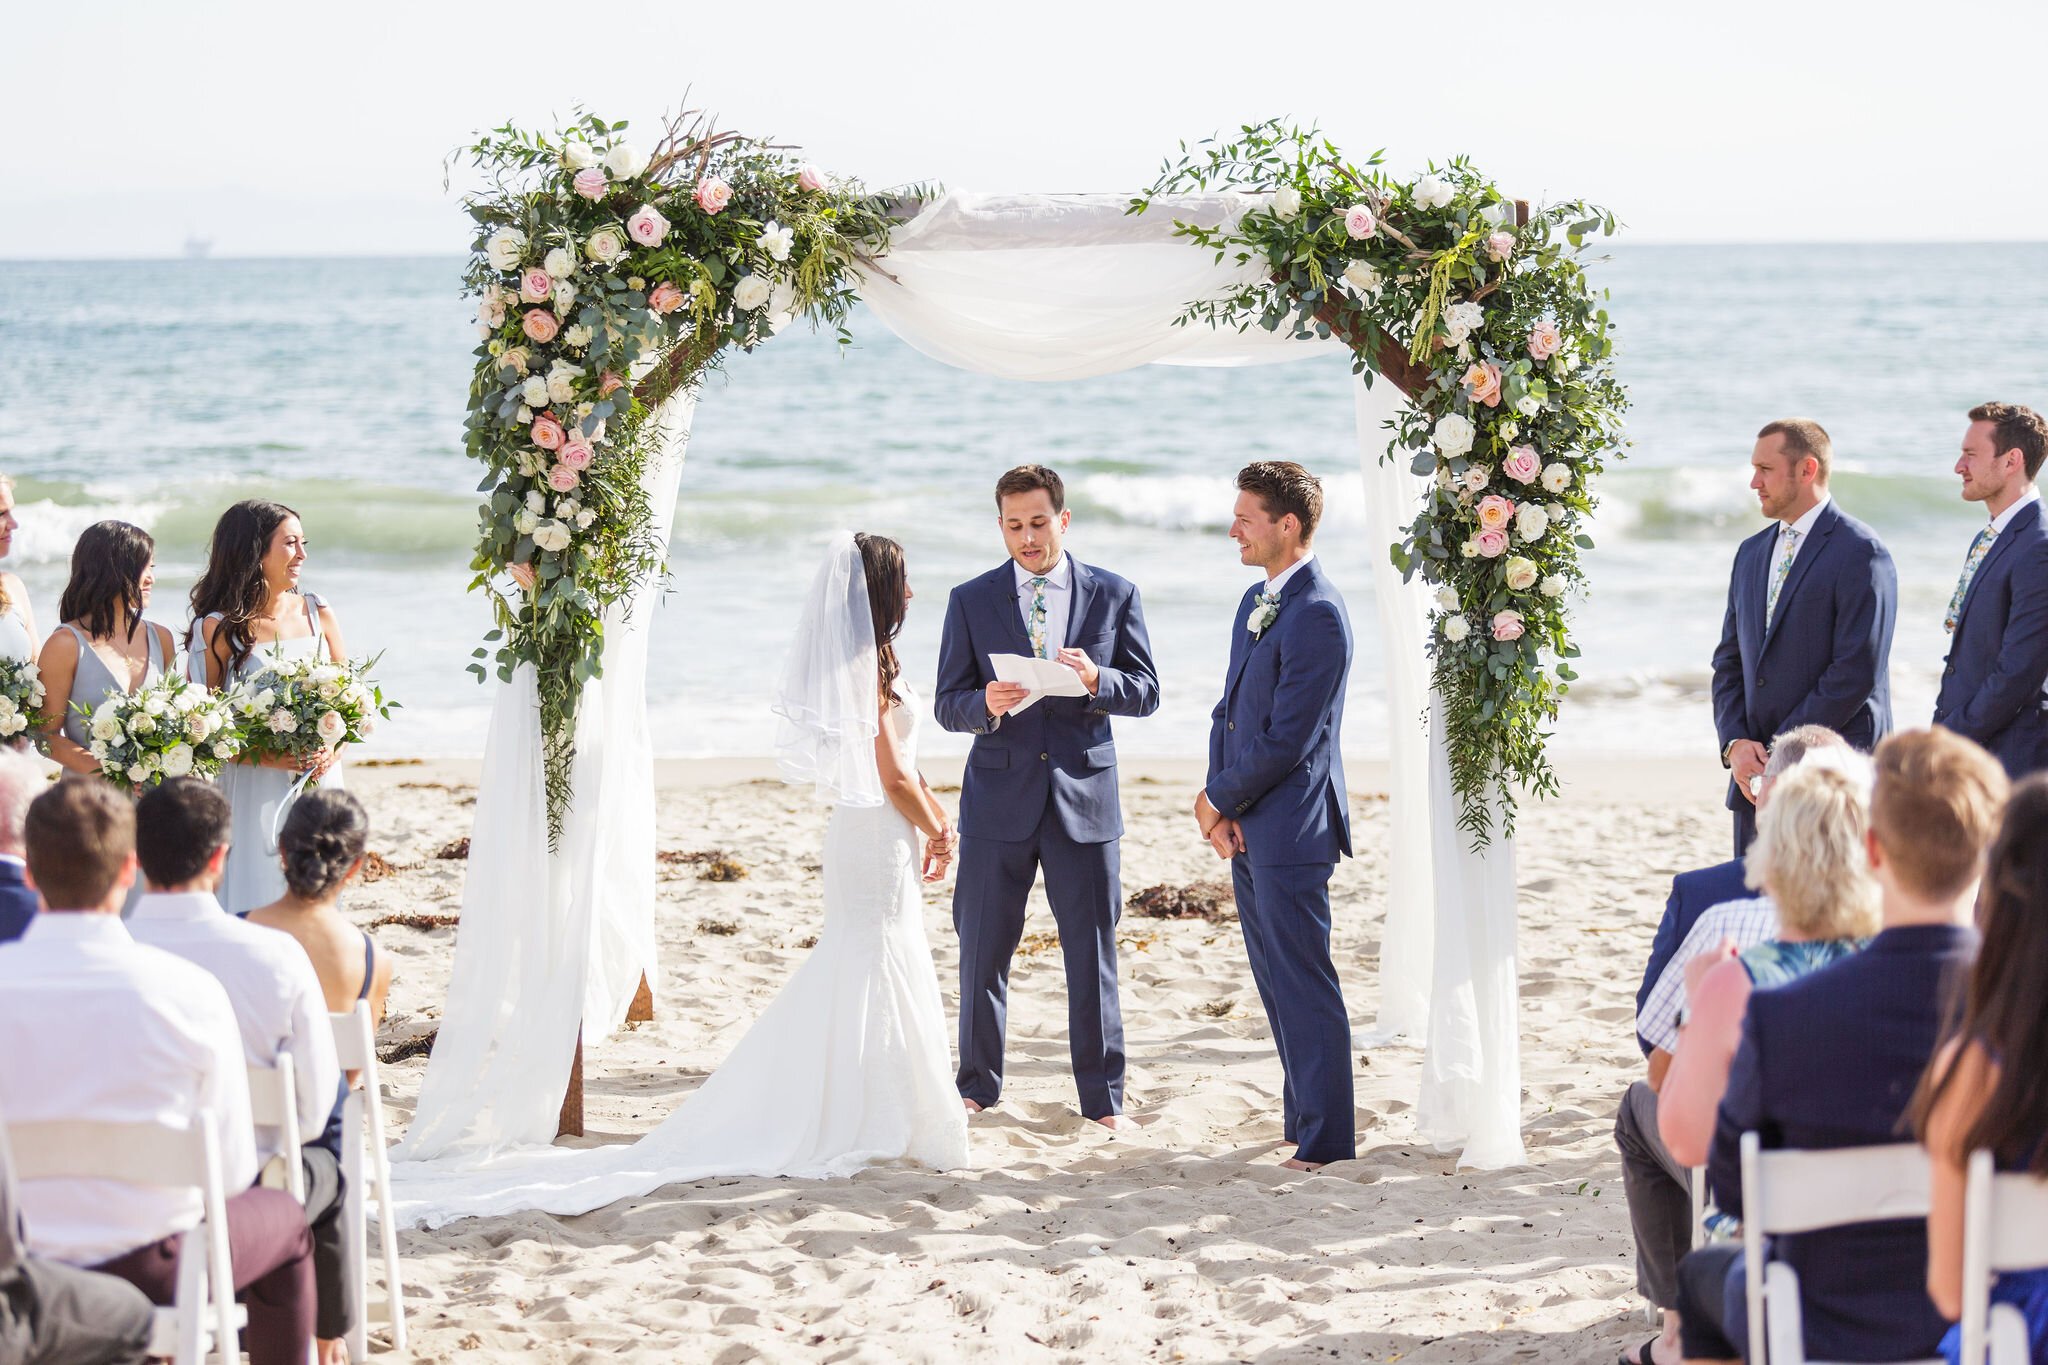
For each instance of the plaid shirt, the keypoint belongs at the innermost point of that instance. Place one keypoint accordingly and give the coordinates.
(1746, 923)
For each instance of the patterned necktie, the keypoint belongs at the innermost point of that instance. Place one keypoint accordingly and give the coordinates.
(1978, 549)
(1788, 548)
(1037, 618)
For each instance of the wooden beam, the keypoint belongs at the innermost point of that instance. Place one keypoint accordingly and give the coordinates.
(641, 1011)
(571, 1122)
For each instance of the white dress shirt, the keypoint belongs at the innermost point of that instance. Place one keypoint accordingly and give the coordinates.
(2004, 519)
(94, 1025)
(1745, 923)
(1059, 601)
(1802, 527)
(272, 985)
(1279, 580)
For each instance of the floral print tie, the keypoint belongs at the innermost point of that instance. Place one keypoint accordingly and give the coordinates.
(1788, 550)
(1037, 618)
(1978, 549)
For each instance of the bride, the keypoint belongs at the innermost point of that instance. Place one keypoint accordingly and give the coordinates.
(849, 1065)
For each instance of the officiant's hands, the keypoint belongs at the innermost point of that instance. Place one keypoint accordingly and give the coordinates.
(1078, 660)
(1002, 697)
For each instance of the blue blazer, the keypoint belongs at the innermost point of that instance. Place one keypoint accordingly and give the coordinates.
(1692, 895)
(1061, 749)
(1998, 657)
(1832, 1060)
(1826, 658)
(18, 904)
(1274, 762)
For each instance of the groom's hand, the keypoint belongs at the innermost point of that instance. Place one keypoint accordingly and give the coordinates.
(1078, 660)
(1227, 839)
(1001, 697)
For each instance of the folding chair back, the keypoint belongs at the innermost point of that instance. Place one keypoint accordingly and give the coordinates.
(2005, 1227)
(274, 1103)
(363, 1140)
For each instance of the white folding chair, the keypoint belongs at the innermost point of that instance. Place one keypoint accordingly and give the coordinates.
(362, 1132)
(1696, 1184)
(156, 1154)
(1805, 1191)
(274, 1102)
(2005, 1227)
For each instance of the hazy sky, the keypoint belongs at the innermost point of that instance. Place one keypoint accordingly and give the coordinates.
(284, 128)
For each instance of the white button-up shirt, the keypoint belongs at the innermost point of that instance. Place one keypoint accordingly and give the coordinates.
(272, 985)
(1745, 923)
(1279, 580)
(94, 1025)
(1059, 601)
(2004, 519)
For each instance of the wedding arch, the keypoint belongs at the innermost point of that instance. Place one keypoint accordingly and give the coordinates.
(609, 279)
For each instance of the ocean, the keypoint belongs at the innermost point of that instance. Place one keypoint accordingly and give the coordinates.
(161, 391)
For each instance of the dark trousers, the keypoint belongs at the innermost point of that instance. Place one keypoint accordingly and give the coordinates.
(323, 1213)
(271, 1250)
(1745, 825)
(1659, 1199)
(53, 1314)
(1082, 884)
(1713, 1308)
(1285, 914)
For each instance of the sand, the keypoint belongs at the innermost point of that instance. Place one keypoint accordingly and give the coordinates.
(1184, 1240)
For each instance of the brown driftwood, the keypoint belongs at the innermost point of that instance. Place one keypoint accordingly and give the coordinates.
(571, 1122)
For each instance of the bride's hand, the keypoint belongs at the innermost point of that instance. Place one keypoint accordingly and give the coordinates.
(938, 855)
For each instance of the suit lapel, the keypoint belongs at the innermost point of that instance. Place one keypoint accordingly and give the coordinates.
(1816, 544)
(1002, 596)
(1082, 591)
(2012, 532)
(1296, 586)
(1241, 643)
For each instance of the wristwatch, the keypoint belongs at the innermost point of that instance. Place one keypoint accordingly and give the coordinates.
(1724, 752)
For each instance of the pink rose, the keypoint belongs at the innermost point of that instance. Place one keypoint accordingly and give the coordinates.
(523, 574)
(647, 226)
(1495, 512)
(576, 453)
(608, 384)
(1544, 340)
(590, 183)
(547, 433)
(1507, 625)
(1359, 222)
(1522, 464)
(563, 479)
(1492, 544)
(809, 177)
(1501, 245)
(1482, 383)
(539, 325)
(535, 285)
(713, 194)
(666, 298)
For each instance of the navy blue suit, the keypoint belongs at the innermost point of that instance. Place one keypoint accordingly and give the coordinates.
(1832, 1060)
(18, 904)
(1998, 657)
(1040, 791)
(1275, 767)
(1692, 895)
(1824, 660)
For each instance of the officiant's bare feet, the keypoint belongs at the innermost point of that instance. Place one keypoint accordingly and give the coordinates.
(1117, 1123)
(969, 1105)
(1295, 1163)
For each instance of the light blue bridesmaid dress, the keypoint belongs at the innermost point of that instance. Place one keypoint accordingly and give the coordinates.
(92, 682)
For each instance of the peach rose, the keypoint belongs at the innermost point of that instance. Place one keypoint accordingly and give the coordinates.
(539, 325)
(590, 183)
(1492, 544)
(547, 433)
(1495, 512)
(1544, 340)
(666, 298)
(1507, 625)
(609, 383)
(576, 453)
(713, 194)
(1482, 383)
(563, 479)
(810, 178)
(523, 574)
(1522, 464)
(535, 285)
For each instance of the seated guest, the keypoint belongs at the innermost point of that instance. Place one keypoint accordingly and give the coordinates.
(96, 1026)
(1983, 1093)
(322, 846)
(1831, 1060)
(21, 780)
(1810, 857)
(54, 1314)
(181, 839)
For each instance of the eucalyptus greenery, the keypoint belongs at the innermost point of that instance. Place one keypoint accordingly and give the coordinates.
(1505, 350)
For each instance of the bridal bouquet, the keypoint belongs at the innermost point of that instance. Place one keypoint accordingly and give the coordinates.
(171, 728)
(21, 696)
(295, 708)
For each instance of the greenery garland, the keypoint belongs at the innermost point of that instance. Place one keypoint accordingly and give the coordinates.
(609, 277)
(1505, 350)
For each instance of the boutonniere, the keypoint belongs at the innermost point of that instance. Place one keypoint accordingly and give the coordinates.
(1264, 612)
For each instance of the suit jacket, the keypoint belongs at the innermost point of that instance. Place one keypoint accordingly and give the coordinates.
(1061, 750)
(1998, 657)
(1274, 760)
(1692, 895)
(18, 904)
(1825, 658)
(1832, 1060)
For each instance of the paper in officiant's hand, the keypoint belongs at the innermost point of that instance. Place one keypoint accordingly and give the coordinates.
(1045, 678)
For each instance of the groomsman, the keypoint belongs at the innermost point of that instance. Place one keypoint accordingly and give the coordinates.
(1040, 787)
(1807, 638)
(1998, 617)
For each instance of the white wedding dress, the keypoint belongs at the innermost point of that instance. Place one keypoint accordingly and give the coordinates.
(848, 1066)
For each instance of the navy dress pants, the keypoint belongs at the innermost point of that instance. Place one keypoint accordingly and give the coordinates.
(1285, 915)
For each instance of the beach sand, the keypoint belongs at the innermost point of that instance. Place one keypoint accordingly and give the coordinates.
(1183, 1240)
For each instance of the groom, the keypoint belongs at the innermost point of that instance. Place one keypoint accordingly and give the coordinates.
(1275, 803)
(1040, 788)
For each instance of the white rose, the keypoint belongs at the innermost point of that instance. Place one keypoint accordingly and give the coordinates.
(776, 240)
(282, 722)
(561, 386)
(1521, 573)
(1447, 597)
(525, 522)
(505, 248)
(559, 263)
(1461, 320)
(1433, 192)
(178, 760)
(1361, 276)
(138, 773)
(578, 155)
(142, 724)
(331, 727)
(585, 517)
(534, 392)
(1555, 478)
(783, 301)
(625, 161)
(98, 750)
(1529, 405)
(1456, 628)
(154, 703)
(751, 292)
(105, 724)
(1552, 586)
(605, 246)
(536, 502)
(1475, 478)
(1532, 519)
(552, 536)
(1453, 434)
(1286, 201)
(14, 724)
(490, 311)
(1444, 478)
(565, 298)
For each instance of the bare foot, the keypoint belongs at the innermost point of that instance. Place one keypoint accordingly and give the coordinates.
(1117, 1123)
(969, 1105)
(1297, 1164)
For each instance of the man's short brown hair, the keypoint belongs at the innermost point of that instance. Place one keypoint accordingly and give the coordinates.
(77, 837)
(2015, 428)
(1935, 809)
(1282, 486)
(1029, 478)
(1803, 437)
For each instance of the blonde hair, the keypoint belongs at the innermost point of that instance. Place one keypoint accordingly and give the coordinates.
(1936, 810)
(1809, 855)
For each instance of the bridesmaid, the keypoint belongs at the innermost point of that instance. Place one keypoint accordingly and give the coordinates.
(104, 646)
(247, 611)
(17, 621)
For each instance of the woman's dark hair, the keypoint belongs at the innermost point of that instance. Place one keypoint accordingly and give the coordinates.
(233, 582)
(881, 560)
(322, 839)
(105, 592)
(2001, 1005)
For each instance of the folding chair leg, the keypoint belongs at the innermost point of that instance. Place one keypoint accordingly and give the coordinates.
(354, 1235)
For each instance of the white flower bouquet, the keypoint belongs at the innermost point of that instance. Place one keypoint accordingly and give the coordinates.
(171, 728)
(296, 708)
(21, 696)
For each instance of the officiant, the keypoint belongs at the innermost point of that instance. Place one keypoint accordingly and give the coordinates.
(1039, 792)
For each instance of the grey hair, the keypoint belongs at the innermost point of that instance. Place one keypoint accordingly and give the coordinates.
(1788, 749)
(22, 780)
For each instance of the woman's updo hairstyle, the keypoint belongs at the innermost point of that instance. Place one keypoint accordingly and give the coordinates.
(323, 837)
